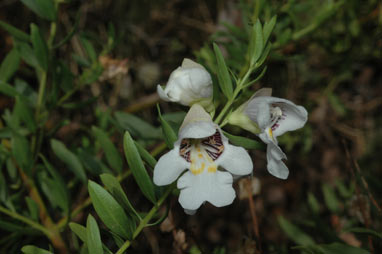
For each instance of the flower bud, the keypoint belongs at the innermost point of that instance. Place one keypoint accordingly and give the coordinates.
(187, 85)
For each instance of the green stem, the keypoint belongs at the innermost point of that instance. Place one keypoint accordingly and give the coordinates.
(146, 219)
(239, 87)
(26, 220)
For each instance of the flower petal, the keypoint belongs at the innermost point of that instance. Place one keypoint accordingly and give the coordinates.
(196, 189)
(197, 124)
(162, 94)
(293, 118)
(275, 164)
(258, 111)
(169, 167)
(236, 160)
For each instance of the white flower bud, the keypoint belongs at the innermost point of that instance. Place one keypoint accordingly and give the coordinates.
(187, 85)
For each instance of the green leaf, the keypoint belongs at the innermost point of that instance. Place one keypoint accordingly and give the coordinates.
(365, 231)
(256, 43)
(294, 233)
(137, 168)
(93, 236)
(243, 141)
(169, 134)
(89, 49)
(79, 230)
(39, 47)
(90, 162)
(9, 65)
(25, 114)
(112, 155)
(8, 89)
(108, 209)
(91, 75)
(43, 8)
(27, 54)
(17, 33)
(58, 186)
(69, 158)
(330, 198)
(114, 187)
(224, 78)
(313, 203)
(146, 156)
(268, 28)
(340, 248)
(136, 126)
(33, 208)
(30, 249)
(22, 153)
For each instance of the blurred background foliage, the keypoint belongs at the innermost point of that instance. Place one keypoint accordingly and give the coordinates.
(75, 75)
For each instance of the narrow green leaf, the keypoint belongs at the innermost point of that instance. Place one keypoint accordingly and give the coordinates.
(146, 156)
(91, 75)
(256, 43)
(114, 187)
(8, 89)
(136, 126)
(243, 141)
(33, 208)
(27, 54)
(224, 78)
(263, 56)
(69, 158)
(17, 33)
(25, 114)
(30, 249)
(22, 153)
(365, 231)
(313, 203)
(294, 233)
(89, 49)
(90, 162)
(59, 186)
(93, 236)
(79, 230)
(39, 47)
(137, 168)
(330, 198)
(108, 209)
(268, 28)
(169, 134)
(43, 8)
(340, 248)
(112, 155)
(9, 65)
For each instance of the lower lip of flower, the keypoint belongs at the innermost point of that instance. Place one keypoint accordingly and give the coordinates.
(202, 153)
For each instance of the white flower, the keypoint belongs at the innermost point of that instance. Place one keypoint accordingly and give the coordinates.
(188, 84)
(275, 116)
(202, 148)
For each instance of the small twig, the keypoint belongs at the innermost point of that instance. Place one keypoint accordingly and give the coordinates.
(366, 186)
(361, 206)
(252, 209)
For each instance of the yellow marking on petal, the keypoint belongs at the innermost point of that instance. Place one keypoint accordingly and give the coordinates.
(270, 132)
(212, 169)
(200, 155)
(198, 170)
